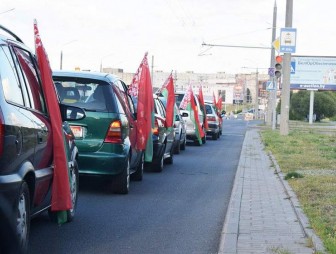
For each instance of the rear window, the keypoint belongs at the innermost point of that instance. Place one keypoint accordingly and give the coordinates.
(208, 109)
(92, 95)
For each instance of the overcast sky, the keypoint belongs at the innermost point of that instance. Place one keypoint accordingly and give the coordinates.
(118, 33)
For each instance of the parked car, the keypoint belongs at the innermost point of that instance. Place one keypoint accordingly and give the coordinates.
(179, 128)
(213, 121)
(190, 127)
(26, 151)
(104, 137)
(163, 138)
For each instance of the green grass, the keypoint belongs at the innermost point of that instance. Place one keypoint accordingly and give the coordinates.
(313, 155)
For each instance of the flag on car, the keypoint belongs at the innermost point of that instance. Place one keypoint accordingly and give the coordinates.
(61, 197)
(201, 100)
(188, 103)
(168, 92)
(141, 89)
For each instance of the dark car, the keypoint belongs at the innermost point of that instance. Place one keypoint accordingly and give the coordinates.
(26, 150)
(163, 138)
(105, 137)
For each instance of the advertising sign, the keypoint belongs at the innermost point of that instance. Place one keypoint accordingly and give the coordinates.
(313, 73)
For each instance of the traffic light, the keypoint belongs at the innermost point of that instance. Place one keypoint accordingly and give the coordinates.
(278, 66)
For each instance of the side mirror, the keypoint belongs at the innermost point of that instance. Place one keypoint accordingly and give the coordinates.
(71, 113)
(184, 114)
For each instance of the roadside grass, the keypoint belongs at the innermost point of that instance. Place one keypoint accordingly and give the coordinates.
(307, 153)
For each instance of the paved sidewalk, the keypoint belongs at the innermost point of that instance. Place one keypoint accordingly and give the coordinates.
(264, 215)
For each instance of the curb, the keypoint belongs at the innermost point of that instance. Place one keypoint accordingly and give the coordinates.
(302, 218)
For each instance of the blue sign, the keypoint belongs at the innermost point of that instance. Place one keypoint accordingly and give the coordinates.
(270, 85)
(271, 71)
(287, 40)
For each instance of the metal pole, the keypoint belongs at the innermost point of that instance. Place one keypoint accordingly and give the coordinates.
(271, 109)
(61, 60)
(311, 107)
(256, 107)
(285, 93)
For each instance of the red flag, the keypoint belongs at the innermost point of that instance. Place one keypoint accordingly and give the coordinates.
(197, 122)
(201, 99)
(141, 89)
(61, 199)
(214, 100)
(219, 104)
(168, 92)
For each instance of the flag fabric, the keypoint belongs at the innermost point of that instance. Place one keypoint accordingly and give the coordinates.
(61, 197)
(201, 100)
(214, 100)
(219, 104)
(188, 103)
(168, 92)
(141, 89)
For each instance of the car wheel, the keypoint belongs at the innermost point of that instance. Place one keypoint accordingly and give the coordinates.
(170, 159)
(121, 182)
(218, 135)
(138, 174)
(23, 216)
(177, 148)
(74, 183)
(158, 165)
(183, 145)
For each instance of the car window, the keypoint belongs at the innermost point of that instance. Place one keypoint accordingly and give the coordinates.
(208, 109)
(28, 75)
(90, 94)
(9, 79)
(161, 108)
(178, 99)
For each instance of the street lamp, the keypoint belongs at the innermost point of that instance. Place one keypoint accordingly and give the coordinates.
(61, 60)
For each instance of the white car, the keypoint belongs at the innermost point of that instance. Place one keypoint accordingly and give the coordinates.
(190, 127)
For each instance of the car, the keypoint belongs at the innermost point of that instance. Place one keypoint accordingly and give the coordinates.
(179, 128)
(190, 127)
(26, 138)
(163, 138)
(104, 137)
(213, 121)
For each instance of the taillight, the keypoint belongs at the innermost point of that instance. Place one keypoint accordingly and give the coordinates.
(114, 133)
(155, 130)
(2, 133)
(211, 118)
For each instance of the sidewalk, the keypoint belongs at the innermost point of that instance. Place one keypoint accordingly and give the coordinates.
(264, 215)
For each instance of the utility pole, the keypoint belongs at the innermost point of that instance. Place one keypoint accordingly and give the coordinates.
(256, 107)
(271, 108)
(285, 93)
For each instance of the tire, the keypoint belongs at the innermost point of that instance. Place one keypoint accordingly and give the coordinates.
(204, 138)
(177, 148)
(170, 159)
(183, 145)
(158, 165)
(23, 216)
(74, 183)
(197, 143)
(138, 174)
(121, 182)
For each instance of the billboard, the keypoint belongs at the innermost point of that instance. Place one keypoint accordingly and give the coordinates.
(313, 73)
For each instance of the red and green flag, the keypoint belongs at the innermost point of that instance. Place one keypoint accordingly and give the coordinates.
(188, 103)
(61, 197)
(201, 100)
(168, 92)
(141, 89)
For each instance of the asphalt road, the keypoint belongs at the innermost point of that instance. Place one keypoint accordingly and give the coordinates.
(180, 210)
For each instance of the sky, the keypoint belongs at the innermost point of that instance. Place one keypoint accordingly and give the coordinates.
(117, 34)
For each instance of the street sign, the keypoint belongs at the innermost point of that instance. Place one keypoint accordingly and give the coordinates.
(276, 44)
(270, 85)
(287, 40)
(271, 71)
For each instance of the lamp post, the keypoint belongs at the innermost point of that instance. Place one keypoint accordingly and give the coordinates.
(101, 61)
(61, 60)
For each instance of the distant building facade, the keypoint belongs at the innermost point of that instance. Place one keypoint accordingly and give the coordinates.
(233, 88)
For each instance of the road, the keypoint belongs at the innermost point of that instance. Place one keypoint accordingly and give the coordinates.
(180, 210)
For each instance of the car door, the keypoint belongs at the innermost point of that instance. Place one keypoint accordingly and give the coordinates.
(36, 111)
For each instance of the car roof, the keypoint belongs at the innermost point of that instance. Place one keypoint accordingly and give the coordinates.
(86, 74)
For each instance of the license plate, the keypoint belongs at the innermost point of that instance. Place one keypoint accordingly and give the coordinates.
(77, 131)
